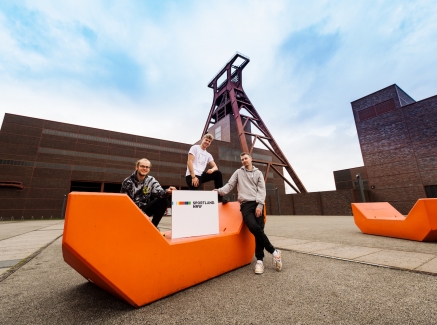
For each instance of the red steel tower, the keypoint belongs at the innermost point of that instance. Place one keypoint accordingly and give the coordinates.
(229, 99)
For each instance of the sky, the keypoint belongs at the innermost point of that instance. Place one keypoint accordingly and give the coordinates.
(142, 67)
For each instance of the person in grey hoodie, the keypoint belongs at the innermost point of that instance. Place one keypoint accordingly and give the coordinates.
(251, 195)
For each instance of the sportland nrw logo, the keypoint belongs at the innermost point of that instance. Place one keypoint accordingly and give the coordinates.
(196, 204)
(181, 203)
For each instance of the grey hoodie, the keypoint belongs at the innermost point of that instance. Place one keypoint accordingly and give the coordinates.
(250, 186)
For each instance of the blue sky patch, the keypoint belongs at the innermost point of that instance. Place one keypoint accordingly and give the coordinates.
(310, 47)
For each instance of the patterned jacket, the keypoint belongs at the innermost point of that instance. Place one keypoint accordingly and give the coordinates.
(141, 192)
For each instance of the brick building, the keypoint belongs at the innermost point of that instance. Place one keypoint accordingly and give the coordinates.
(41, 161)
(398, 140)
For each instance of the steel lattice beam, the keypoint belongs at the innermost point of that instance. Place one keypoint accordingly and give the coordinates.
(230, 98)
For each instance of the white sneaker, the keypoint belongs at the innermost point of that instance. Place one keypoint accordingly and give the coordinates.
(277, 261)
(259, 267)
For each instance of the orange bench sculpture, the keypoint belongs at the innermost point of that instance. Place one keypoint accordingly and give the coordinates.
(110, 242)
(380, 218)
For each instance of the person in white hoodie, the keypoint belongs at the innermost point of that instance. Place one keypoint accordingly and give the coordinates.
(251, 195)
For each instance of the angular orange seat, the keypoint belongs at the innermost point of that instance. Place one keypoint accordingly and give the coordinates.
(380, 218)
(109, 241)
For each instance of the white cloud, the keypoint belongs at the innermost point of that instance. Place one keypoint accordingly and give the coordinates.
(179, 49)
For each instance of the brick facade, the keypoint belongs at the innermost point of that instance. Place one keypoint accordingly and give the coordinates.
(47, 157)
(398, 144)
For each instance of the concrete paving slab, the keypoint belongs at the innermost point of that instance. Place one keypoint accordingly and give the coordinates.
(430, 266)
(28, 238)
(286, 242)
(349, 252)
(341, 230)
(8, 263)
(405, 260)
(17, 255)
(310, 246)
(14, 228)
(58, 226)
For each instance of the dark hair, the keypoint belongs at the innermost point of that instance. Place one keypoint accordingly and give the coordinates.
(245, 153)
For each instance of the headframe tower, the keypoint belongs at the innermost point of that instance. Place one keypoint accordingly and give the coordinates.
(229, 98)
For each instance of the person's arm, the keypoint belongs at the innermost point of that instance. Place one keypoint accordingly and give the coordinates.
(229, 185)
(260, 194)
(213, 167)
(127, 187)
(157, 190)
(190, 162)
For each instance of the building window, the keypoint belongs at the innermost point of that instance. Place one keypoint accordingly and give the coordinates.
(85, 187)
(431, 191)
(218, 133)
(111, 188)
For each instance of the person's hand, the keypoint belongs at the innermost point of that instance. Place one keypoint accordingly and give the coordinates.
(209, 171)
(258, 212)
(171, 189)
(215, 190)
(195, 181)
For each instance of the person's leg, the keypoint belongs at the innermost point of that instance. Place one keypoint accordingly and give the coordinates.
(218, 181)
(256, 227)
(216, 177)
(188, 180)
(156, 208)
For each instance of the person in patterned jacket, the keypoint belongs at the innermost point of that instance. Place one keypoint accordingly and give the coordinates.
(146, 192)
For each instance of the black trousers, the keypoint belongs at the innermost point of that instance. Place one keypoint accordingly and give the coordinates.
(155, 208)
(216, 177)
(256, 227)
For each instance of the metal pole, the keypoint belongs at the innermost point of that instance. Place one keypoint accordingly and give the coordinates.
(63, 207)
(360, 185)
(279, 202)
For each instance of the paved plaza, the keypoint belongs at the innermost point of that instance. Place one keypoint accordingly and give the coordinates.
(333, 274)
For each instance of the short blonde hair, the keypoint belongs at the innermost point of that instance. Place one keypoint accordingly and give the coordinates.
(208, 136)
(138, 162)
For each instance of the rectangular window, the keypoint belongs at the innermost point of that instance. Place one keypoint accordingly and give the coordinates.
(431, 191)
(111, 188)
(218, 133)
(85, 187)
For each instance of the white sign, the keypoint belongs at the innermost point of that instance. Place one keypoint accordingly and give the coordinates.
(194, 213)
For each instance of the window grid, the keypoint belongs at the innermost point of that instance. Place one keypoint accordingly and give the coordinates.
(113, 141)
(101, 156)
(39, 164)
